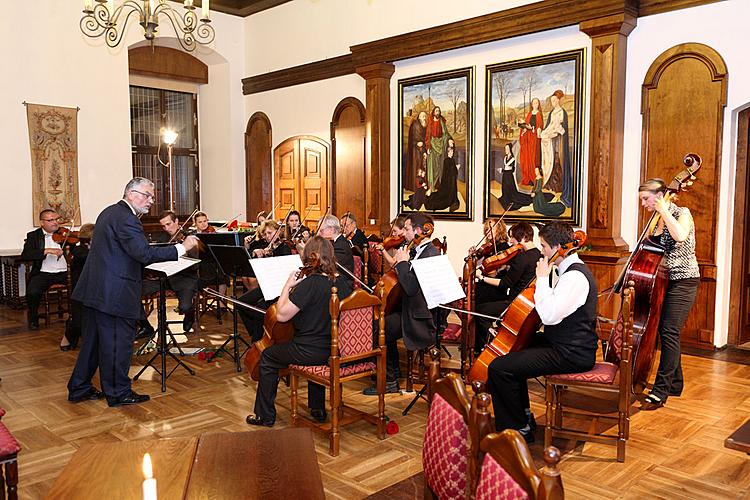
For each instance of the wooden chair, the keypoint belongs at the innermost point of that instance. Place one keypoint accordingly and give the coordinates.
(508, 470)
(351, 358)
(375, 262)
(59, 296)
(9, 449)
(358, 268)
(609, 379)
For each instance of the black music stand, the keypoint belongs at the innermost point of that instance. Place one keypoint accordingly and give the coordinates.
(421, 392)
(234, 261)
(163, 347)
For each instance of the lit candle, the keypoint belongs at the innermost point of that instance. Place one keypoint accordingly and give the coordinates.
(88, 5)
(153, 6)
(188, 3)
(204, 9)
(149, 483)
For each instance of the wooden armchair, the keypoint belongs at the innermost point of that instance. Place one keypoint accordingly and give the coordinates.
(9, 449)
(351, 358)
(508, 470)
(613, 380)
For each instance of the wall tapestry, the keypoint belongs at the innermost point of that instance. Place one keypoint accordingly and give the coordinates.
(53, 137)
(533, 138)
(436, 142)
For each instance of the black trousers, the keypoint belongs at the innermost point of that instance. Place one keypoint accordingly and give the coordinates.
(483, 324)
(107, 345)
(392, 334)
(507, 376)
(184, 288)
(253, 320)
(35, 288)
(278, 357)
(489, 293)
(74, 323)
(678, 301)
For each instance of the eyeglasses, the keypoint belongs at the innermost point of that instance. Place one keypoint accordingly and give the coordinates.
(146, 195)
(56, 219)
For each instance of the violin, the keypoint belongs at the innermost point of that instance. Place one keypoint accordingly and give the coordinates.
(520, 321)
(392, 242)
(419, 238)
(496, 261)
(210, 229)
(65, 236)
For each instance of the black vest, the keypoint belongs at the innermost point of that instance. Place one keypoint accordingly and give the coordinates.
(576, 334)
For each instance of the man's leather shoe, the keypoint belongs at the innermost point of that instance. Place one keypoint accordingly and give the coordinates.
(187, 321)
(255, 420)
(319, 414)
(145, 331)
(93, 394)
(390, 388)
(131, 399)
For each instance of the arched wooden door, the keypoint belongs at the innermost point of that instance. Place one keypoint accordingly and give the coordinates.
(257, 165)
(683, 99)
(301, 176)
(348, 169)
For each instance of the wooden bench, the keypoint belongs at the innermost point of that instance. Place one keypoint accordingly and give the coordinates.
(740, 439)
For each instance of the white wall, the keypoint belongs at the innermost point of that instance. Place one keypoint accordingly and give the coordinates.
(54, 63)
(309, 30)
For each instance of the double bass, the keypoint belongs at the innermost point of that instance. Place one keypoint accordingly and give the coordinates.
(520, 321)
(646, 270)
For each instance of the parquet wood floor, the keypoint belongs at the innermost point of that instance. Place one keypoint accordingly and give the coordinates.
(675, 452)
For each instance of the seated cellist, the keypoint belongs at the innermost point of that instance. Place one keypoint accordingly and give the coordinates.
(568, 343)
(305, 302)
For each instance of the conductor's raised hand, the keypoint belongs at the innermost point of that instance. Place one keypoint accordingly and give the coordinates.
(190, 242)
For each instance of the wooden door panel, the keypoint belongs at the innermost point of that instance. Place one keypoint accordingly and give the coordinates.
(301, 173)
(683, 100)
(348, 159)
(258, 172)
(286, 175)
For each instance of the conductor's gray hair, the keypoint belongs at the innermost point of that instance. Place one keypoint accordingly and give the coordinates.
(135, 183)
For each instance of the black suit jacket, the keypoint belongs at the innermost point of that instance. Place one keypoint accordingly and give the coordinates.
(111, 278)
(33, 250)
(342, 250)
(359, 239)
(418, 324)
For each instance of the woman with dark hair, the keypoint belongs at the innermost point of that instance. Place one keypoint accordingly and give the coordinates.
(304, 300)
(676, 233)
(510, 198)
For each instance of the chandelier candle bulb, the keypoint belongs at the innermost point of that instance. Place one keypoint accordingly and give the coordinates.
(88, 5)
(204, 9)
(149, 483)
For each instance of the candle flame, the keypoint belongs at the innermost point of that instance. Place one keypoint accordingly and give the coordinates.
(148, 472)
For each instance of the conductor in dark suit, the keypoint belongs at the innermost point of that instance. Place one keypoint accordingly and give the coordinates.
(110, 290)
(415, 323)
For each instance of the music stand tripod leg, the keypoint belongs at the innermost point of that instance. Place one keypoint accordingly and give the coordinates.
(421, 392)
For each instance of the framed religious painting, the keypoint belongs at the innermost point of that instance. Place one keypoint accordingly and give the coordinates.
(436, 141)
(534, 137)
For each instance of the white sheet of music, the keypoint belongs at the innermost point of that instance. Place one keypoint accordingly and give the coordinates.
(272, 273)
(438, 280)
(171, 267)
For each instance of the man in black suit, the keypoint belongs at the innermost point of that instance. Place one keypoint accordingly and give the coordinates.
(48, 267)
(354, 233)
(184, 283)
(415, 323)
(110, 290)
(329, 228)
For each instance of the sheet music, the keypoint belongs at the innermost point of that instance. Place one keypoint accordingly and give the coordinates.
(438, 280)
(172, 267)
(272, 273)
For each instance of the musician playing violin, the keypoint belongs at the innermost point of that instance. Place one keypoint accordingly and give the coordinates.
(352, 233)
(48, 267)
(569, 341)
(676, 233)
(304, 301)
(495, 241)
(184, 283)
(295, 231)
(393, 242)
(519, 274)
(415, 322)
(268, 246)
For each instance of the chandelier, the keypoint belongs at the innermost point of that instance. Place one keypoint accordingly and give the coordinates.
(101, 18)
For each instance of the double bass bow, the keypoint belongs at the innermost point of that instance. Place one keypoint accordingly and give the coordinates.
(645, 269)
(520, 320)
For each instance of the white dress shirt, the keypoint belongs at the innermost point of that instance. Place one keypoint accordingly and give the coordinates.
(51, 264)
(570, 293)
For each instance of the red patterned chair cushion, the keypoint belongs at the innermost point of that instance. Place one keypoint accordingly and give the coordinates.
(451, 333)
(496, 484)
(8, 444)
(615, 338)
(375, 259)
(325, 371)
(445, 452)
(357, 271)
(601, 373)
(355, 331)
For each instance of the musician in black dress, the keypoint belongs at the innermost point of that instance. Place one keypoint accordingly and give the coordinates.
(519, 274)
(676, 233)
(306, 303)
(569, 341)
(496, 237)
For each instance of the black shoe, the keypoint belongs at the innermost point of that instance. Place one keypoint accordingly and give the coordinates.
(91, 395)
(65, 348)
(652, 402)
(254, 420)
(528, 436)
(390, 388)
(187, 321)
(33, 325)
(532, 423)
(131, 399)
(146, 331)
(319, 415)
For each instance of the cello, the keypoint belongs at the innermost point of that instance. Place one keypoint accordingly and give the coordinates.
(520, 320)
(645, 268)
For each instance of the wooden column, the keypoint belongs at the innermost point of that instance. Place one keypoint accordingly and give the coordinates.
(377, 144)
(609, 251)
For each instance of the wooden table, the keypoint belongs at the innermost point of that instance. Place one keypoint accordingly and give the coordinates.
(13, 276)
(265, 464)
(740, 439)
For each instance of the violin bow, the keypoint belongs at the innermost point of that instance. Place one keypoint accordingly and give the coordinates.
(229, 221)
(190, 217)
(351, 274)
(276, 234)
(72, 224)
(302, 222)
(273, 210)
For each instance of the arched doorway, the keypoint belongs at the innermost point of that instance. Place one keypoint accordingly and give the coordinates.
(258, 141)
(348, 169)
(300, 177)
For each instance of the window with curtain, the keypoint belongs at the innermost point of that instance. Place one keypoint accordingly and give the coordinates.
(151, 112)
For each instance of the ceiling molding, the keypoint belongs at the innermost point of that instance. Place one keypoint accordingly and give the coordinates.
(241, 8)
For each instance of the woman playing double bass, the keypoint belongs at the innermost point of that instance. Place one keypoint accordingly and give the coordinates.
(304, 301)
(568, 343)
(676, 233)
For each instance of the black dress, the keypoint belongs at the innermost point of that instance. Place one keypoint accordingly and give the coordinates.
(447, 194)
(511, 198)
